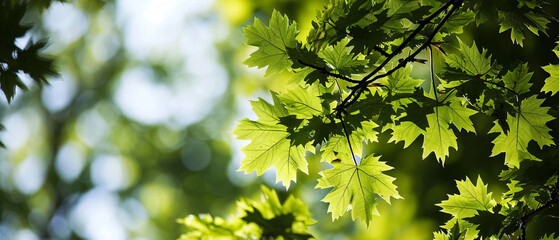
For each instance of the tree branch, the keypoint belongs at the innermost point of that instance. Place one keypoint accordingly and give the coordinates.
(405, 43)
(358, 89)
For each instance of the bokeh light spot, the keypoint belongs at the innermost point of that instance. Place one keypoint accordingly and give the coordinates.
(196, 154)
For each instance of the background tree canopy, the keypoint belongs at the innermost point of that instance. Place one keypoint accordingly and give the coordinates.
(126, 123)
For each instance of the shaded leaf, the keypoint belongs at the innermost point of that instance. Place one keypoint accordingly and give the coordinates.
(342, 60)
(519, 79)
(488, 223)
(521, 23)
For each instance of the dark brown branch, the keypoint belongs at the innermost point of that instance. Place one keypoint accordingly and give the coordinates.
(358, 89)
(405, 43)
(381, 51)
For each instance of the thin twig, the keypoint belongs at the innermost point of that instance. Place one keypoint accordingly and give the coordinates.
(499, 85)
(404, 44)
(325, 71)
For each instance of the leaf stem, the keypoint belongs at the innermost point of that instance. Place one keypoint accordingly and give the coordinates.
(348, 141)
(432, 74)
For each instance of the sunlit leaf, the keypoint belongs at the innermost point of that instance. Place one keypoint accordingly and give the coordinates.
(551, 82)
(357, 188)
(272, 42)
(269, 145)
(439, 137)
(528, 124)
(472, 198)
(470, 60)
(519, 79)
(342, 60)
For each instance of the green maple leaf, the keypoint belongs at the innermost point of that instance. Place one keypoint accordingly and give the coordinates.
(470, 60)
(303, 102)
(528, 124)
(340, 58)
(472, 198)
(272, 42)
(550, 237)
(270, 146)
(338, 144)
(521, 23)
(400, 81)
(552, 82)
(397, 10)
(485, 9)
(457, 22)
(441, 236)
(519, 79)
(405, 131)
(357, 187)
(438, 137)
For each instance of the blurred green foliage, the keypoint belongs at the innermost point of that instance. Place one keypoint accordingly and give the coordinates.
(82, 163)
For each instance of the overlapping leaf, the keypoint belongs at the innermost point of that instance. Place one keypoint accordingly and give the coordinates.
(470, 60)
(270, 146)
(400, 81)
(472, 198)
(342, 60)
(398, 10)
(407, 132)
(519, 79)
(522, 22)
(272, 42)
(357, 187)
(439, 137)
(303, 102)
(457, 22)
(338, 143)
(528, 124)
